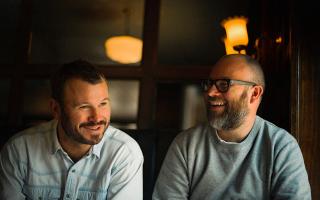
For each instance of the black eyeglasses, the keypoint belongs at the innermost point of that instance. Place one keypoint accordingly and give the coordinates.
(223, 85)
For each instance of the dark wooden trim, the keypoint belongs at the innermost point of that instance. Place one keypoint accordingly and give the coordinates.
(15, 72)
(175, 72)
(295, 91)
(15, 101)
(306, 88)
(149, 61)
(24, 32)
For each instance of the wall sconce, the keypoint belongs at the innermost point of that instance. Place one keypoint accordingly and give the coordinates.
(236, 34)
(230, 49)
(124, 49)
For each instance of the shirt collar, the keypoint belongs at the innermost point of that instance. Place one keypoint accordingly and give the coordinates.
(54, 137)
(96, 149)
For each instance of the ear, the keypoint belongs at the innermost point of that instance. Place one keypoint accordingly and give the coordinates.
(55, 108)
(256, 94)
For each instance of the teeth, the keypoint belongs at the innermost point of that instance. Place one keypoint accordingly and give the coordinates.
(217, 104)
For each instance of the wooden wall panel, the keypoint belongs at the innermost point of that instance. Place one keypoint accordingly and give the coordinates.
(307, 91)
(309, 115)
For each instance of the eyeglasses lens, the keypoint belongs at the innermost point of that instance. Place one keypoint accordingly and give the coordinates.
(221, 85)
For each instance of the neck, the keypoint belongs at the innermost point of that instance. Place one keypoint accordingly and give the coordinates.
(74, 149)
(240, 133)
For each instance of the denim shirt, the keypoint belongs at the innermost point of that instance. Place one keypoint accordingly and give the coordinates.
(33, 165)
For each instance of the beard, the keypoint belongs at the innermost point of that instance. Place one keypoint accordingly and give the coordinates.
(79, 136)
(232, 116)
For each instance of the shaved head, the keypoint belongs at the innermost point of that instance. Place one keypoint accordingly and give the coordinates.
(257, 75)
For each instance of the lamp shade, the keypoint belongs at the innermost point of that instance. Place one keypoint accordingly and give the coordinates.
(230, 49)
(236, 31)
(124, 49)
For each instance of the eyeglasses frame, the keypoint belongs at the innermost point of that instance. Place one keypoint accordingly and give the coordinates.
(229, 82)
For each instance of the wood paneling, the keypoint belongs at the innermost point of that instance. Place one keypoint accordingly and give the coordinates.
(149, 61)
(306, 79)
(293, 76)
(309, 126)
(309, 111)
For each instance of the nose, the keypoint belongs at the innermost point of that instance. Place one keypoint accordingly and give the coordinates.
(213, 91)
(95, 115)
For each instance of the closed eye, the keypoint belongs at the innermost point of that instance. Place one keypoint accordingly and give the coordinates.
(84, 106)
(104, 103)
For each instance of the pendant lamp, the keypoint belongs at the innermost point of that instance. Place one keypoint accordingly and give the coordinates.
(124, 49)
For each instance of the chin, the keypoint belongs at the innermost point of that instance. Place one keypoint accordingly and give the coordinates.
(92, 141)
(91, 138)
(215, 115)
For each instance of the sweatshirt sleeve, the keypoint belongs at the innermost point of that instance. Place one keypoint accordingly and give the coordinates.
(172, 182)
(290, 178)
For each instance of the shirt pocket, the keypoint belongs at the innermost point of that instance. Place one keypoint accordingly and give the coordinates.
(41, 192)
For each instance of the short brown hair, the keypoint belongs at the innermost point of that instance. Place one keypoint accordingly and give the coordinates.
(81, 69)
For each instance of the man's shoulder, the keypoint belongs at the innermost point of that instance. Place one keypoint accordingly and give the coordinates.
(30, 140)
(274, 133)
(194, 134)
(119, 138)
(118, 135)
(34, 132)
(195, 130)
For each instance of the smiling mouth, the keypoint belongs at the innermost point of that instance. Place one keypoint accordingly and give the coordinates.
(216, 106)
(93, 128)
(216, 103)
(93, 125)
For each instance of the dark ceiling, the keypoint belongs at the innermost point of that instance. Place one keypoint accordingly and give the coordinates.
(62, 30)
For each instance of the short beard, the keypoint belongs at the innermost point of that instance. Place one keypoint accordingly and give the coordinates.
(74, 134)
(232, 117)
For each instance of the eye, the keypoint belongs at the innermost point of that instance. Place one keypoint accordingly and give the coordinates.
(104, 103)
(222, 83)
(84, 106)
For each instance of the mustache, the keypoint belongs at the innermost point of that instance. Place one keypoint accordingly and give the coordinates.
(92, 123)
(215, 99)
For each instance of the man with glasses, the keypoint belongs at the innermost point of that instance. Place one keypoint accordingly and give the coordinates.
(237, 154)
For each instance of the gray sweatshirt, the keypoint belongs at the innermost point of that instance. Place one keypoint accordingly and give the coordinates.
(268, 164)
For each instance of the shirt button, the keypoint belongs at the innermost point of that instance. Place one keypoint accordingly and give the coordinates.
(73, 170)
(68, 195)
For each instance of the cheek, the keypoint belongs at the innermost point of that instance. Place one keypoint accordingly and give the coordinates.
(78, 117)
(106, 112)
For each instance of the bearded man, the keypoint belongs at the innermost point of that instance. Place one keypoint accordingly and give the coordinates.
(237, 154)
(78, 155)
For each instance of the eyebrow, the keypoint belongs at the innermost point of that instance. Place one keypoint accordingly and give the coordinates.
(106, 99)
(85, 103)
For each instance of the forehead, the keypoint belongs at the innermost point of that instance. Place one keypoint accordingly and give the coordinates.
(78, 89)
(233, 68)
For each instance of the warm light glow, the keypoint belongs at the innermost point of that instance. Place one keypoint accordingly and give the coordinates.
(229, 48)
(236, 31)
(279, 39)
(124, 49)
